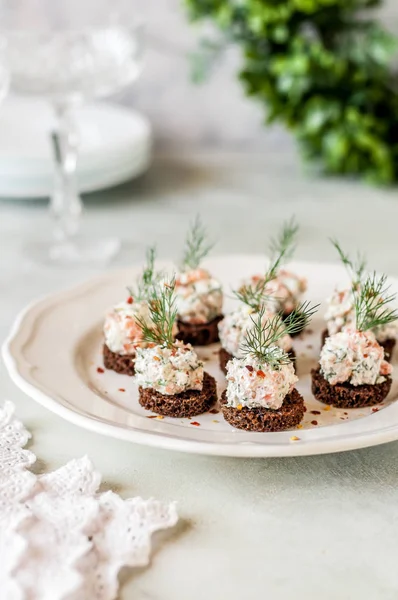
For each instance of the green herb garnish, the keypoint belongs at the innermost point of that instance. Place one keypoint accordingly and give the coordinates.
(356, 268)
(196, 246)
(371, 301)
(282, 247)
(253, 296)
(163, 313)
(148, 278)
(261, 339)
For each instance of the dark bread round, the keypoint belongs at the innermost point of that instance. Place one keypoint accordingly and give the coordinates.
(345, 395)
(263, 419)
(116, 362)
(201, 334)
(185, 404)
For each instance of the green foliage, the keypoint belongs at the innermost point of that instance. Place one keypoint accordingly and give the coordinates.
(196, 246)
(253, 295)
(163, 315)
(321, 67)
(282, 247)
(261, 339)
(371, 302)
(356, 269)
(147, 279)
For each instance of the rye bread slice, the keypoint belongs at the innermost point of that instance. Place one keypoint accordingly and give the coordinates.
(345, 395)
(263, 419)
(123, 364)
(201, 334)
(185, 404)
(224, 357)
(388, 345)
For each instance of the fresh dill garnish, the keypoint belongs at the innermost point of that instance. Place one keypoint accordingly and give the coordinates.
(300, 317)
(253, 296)
(163, 314)
(196, 245)
(147, 278)
(371, 301)
(261, 339)
(282, 247)
(356, 268)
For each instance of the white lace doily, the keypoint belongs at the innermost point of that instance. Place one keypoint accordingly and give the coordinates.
(60, 539)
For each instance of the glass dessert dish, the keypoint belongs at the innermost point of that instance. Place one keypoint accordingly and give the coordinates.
(69, 53)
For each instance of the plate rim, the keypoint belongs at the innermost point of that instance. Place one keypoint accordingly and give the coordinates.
(160, 440)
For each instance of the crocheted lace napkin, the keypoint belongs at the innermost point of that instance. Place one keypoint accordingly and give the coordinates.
(60, 539)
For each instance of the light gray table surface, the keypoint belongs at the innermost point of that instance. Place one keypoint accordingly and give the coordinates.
(322, 527)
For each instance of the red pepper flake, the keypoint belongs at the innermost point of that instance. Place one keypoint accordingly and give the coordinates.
(375, 410)
(195, 423)
(249, 368)
(315, 412)
(305, 409)
(122, 390)
(100, 370)
(314, 422)
(214, 411)
(346, 413)
(152, 417)
(261, 374)
(130, 300)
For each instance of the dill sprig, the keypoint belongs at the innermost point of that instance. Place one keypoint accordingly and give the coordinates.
(147, 278)
(253, 296)
(300, 317)
(261, 339)
(356, 268)
(371, 301)
(196, 246)
(282, 247)
(163, 314)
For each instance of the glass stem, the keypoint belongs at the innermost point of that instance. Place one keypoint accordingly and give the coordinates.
(66, 205)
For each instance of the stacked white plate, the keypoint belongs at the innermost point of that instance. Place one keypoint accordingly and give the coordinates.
(115, 146)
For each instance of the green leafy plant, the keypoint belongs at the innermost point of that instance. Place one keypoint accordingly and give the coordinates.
(196, 246)
(163, 314)
(261, 339)
(253, 295)
(147, 279)
(371, 302)
(281, 248)
(356, 268)
(323, 69)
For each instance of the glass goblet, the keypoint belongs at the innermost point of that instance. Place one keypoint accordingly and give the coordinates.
(69, 62)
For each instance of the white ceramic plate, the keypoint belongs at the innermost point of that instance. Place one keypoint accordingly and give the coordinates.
(115, 146)
(54, 351)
